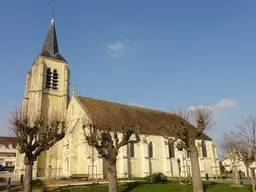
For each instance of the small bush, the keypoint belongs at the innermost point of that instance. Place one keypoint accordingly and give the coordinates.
(157, 178)
(37, 183)
(2, 179)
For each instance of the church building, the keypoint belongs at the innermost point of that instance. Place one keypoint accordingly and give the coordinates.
(48, 87)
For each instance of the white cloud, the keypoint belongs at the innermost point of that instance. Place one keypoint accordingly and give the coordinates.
(115, 49)
(226, 103)
(201, 106)
(223, 103)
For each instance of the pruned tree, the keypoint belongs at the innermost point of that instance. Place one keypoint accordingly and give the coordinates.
(202, 119)
(108, 138)
(35, 135)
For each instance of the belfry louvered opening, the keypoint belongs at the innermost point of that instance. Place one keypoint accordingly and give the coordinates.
(52, 79)
(55, 79)
(48, 78)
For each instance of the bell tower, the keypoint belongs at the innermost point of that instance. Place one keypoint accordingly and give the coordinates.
(47, 85)
(47, 90)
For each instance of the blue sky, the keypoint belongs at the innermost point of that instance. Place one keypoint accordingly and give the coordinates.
(165, 55)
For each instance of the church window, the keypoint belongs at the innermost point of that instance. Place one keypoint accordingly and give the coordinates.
(131, 149)
(55, 79)
(171, 150)
(48, 78)
(204, 150)
(150, 150)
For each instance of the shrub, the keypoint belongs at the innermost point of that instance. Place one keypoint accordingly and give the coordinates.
(37, 183)
(157, 177)
(2, 179)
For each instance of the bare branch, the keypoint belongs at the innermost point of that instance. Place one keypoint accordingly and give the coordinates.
(35, 134)
(246, 133)
(104, 136)
(203, 116)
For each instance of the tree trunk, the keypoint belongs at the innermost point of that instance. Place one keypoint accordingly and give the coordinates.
(28, 161)
(237, 177)
(253, 186)
(171, 167)
(247, 170)
(112, 177)
(196, 176)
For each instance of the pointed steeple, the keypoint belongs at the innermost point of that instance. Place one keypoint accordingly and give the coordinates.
(50, 48)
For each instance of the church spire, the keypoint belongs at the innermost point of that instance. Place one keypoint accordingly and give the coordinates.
(50, 48)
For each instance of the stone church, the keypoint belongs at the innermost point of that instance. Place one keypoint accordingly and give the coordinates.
(48, 87)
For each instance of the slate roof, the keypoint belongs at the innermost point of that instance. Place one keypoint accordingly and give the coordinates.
(119, 113)
(50, 48)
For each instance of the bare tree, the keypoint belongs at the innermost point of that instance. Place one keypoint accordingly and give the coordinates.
(92, 155)
(229, 147)
(246, 133)
(244, 142)
(242, 152)
(35, 135)
(202, 118)
(244, 138)
(108, 138)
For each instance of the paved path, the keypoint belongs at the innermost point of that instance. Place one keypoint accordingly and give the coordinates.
(14, 180)
(4, 185)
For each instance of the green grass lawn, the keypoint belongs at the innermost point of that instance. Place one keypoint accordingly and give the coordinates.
(139, 187)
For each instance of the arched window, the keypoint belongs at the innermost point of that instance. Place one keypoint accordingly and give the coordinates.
(131, 149)
(171, 150)
(55, 79)
(48, 82)
(204, 150)
(150, 150)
